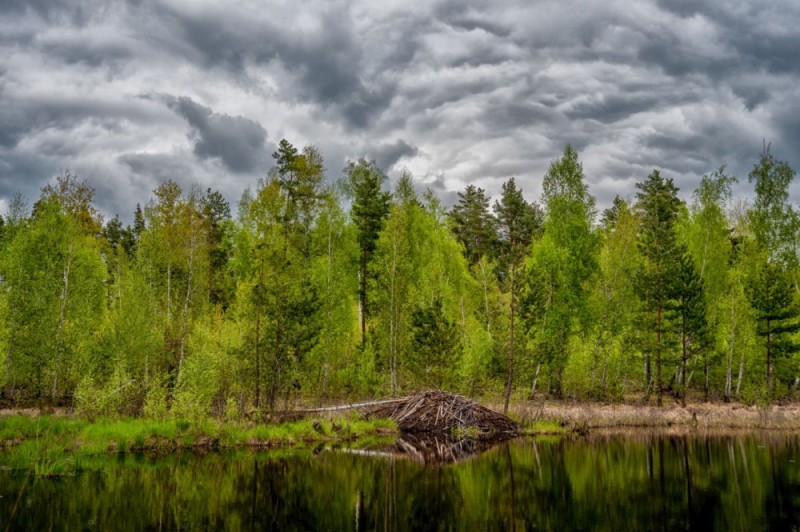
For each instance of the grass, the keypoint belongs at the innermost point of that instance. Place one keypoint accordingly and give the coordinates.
(544, 426)
(55, 445)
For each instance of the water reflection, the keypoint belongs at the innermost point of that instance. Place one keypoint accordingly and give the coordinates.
(434, 449)
(608, 482)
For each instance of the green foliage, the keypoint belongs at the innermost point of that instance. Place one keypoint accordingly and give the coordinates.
(54, 277)
(707, 234)
(435, 345)
(518, 222)
(561, 265)
(114, 397)
(687, 312)
(369, 210)
(473, 223)
(772, 296)
(217, 213)
(658, 206)
(319, 294)
(155, 399)
(208, 378)
(615, 303)
(773, 220)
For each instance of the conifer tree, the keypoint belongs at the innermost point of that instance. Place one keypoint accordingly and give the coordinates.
(435, 344)
(369, 210)
(688, 313)
(771, 295)
(657, 204)
(517, 223)
(217, 213)
(473, 223)
(774, 224)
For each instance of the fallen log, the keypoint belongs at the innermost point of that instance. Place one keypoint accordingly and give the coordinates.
(352, 406)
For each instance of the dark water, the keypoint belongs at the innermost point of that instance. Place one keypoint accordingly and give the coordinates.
(615, 483)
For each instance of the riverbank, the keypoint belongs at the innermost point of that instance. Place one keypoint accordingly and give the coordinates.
(72, 434)
(62, 432)
(577, 416)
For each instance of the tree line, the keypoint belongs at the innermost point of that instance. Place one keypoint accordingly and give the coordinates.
(320, 290)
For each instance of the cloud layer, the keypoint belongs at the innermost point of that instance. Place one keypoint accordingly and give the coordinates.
(127, 94)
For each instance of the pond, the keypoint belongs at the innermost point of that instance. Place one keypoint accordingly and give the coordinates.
(615, 482)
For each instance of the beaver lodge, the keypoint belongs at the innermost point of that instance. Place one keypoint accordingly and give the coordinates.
(439, 412)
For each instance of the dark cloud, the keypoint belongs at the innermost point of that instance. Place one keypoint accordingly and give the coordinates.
(386, 155)
(21, 173)
(238, 141)
(155, 168)
(456, 91)
(76, 12)
(325, 62)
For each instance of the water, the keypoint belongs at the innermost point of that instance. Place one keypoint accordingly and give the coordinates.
(745, 482)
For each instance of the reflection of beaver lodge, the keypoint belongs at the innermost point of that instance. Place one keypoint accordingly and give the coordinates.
(436, 449)
(438, 412)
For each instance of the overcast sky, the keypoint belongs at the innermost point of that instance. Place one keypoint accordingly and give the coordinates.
(128, 94)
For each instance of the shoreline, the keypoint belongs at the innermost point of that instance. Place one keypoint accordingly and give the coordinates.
(48, 436)
(591, 416)
(63, 432)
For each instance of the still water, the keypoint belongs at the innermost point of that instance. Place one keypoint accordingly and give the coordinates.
(622, 482)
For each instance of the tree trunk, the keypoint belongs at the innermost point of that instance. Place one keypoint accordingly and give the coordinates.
(188, 297)
(258, 358)
(729, 368)
(363, 297)
(769, 360)
(510, 379)
(535, 380)
(659, 384)
(684, 355)
(485, 295)
(741, 374)
(61, 320)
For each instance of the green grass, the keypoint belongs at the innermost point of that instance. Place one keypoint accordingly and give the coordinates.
(544, 426)
(54, 445)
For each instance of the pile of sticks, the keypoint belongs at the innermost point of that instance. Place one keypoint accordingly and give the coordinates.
(435, 411)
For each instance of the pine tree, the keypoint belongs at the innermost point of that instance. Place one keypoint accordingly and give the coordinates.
(473, 223)
(657, 204)
(517, 223)
(435, 343)
(612, 214)
(774, 224)
(138, 222)
(771, 295)
(369, 210)
(688, 313)
(217, 213)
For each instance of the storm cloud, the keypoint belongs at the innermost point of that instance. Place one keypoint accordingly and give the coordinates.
(127, 94)
(239, 142)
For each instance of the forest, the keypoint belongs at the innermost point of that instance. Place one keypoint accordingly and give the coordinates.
(328, 288)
